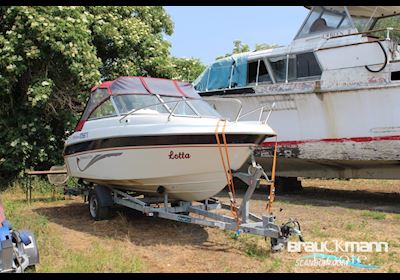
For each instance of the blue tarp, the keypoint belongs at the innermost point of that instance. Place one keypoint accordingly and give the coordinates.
(218, 74)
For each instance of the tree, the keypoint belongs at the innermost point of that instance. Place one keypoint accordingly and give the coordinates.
(264, 46)
(239, 47)
(187, 69)
(49, 59)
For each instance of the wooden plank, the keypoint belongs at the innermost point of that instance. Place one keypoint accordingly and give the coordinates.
(45, 172)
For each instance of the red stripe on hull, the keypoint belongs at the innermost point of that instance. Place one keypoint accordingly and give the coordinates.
(333, 140)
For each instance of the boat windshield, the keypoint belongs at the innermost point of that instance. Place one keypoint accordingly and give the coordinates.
(321, 20)
(146, 104)
(129, 102)
(385, 22)
(187, 108)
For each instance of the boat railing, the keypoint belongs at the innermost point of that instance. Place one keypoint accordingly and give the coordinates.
(387, 29)
(239, 114)
(262, 109)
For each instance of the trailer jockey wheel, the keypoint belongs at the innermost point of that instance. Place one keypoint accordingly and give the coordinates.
(276, 245)
(97, 209)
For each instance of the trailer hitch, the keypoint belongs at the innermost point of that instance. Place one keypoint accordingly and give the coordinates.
(292, 227)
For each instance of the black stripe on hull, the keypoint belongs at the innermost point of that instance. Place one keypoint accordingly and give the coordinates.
(160, 141)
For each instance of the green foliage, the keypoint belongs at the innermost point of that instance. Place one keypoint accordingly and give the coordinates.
(239, 47)
(264, 46)
(51, 56)
(393, 22)
(187, 69)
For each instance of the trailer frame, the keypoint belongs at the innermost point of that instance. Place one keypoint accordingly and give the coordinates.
(101, 198)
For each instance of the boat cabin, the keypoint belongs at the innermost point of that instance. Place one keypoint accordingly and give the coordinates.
(144, 95)
(312, 52)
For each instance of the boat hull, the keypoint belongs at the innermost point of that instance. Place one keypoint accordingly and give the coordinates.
(349, 133)
(187, 172)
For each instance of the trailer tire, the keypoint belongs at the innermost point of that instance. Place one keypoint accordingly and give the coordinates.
(97, 209)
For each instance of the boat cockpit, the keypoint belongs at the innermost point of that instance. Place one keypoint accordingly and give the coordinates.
(144, 95)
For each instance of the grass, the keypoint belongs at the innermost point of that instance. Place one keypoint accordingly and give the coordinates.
(350, 226)
(374, 215)
(100, 259)
(55, 254)
(94, 247)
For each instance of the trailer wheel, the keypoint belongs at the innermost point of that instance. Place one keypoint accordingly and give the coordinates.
(97, 210)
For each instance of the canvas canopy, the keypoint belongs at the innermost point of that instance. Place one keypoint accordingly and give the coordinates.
(224, 73)
(135, 85)
(147, 85)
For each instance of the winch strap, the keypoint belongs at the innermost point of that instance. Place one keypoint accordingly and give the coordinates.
(272, 186)
(228, 172)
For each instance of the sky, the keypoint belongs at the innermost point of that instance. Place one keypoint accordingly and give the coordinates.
(207, 32)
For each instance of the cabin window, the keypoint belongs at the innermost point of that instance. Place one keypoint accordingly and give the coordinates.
(307, 65)
(257, 72)
(278, 65)
(395, 76)
(106, 109)
(322, 20)
(292, 71)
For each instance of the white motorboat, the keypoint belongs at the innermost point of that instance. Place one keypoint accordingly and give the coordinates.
(336, 93)
(152, 136)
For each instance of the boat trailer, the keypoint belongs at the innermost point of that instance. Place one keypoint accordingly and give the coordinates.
(102, 198)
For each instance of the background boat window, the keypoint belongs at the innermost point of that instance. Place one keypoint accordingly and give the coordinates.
(384, 22)
(322, 20)
(307, 65)
(292, 68)
(129, 102)
(106, 109)
(362, 23)
(278, 65)
(257, 68)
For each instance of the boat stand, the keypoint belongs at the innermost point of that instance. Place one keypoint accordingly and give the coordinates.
(101, 198)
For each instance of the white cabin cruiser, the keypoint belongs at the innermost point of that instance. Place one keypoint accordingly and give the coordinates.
(153, 135)
(336, 90)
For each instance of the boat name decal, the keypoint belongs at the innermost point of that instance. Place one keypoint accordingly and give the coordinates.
(96, 159)
(180, 155)
(81, 135)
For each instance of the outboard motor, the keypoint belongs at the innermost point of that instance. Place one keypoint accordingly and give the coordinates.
(18, 249)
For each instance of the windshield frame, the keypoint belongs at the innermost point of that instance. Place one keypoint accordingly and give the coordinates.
(299, 34)
(170, 110)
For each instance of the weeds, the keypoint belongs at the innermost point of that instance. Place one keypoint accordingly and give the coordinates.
(374, 215)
